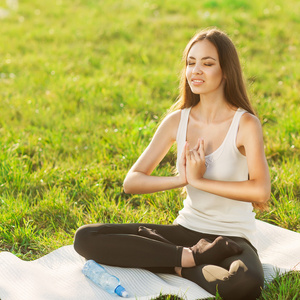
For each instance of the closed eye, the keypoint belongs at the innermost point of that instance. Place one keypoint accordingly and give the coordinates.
(190, 63)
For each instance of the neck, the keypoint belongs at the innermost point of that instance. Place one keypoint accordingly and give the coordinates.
(212, 108)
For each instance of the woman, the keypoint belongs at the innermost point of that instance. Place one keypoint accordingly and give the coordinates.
(220, 161)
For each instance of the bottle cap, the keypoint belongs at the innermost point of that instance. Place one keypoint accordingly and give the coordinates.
(121, 291)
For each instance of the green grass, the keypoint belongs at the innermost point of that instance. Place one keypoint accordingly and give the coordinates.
(83, 85)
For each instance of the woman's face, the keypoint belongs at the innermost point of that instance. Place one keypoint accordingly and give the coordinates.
(203, 71)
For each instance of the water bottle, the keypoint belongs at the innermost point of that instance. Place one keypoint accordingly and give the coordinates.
(101, 277)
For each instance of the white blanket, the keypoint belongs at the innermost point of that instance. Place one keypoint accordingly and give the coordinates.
(58, 276)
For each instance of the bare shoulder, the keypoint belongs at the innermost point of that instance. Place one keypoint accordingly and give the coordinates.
(249, 129)
(170, 123)
(173, 117)
(249, 123)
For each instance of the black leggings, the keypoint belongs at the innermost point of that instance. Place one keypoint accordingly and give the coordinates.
(236, 277)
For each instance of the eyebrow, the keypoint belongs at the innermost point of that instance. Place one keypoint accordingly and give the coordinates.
(203, 58)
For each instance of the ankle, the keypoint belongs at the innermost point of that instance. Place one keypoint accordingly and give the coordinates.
(178, 271)
(187, 258)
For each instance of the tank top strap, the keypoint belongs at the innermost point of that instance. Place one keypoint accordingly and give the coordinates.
(233, 130)
(182, 129)
(229, 141)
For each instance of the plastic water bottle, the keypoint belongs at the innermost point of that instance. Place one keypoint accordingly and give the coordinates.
(101, 277)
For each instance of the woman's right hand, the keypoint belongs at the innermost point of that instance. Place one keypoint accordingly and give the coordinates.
(195, 162)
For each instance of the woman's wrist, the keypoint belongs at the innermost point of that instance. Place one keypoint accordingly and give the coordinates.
(182, 181)
(196, 182)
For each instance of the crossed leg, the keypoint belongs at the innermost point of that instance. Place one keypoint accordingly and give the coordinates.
(159, 248)
(237, 277)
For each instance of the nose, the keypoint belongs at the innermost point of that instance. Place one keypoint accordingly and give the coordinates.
(197, 69)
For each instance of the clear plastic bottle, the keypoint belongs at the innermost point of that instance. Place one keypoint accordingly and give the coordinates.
(102, 278)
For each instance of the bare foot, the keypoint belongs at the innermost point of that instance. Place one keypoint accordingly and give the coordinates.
(178, 271)
(207, 252)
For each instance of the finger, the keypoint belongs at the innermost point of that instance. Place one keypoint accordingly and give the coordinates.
(183, 153)
(187, 150)
(191, 156)
(198, 145)
(196, 155)
(201, 150)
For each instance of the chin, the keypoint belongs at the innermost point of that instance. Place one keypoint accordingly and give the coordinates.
(197, 91)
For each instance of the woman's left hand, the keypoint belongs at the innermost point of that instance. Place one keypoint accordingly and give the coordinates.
(195, 162)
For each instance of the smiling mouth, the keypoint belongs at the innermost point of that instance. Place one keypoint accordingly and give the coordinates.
(197, 81)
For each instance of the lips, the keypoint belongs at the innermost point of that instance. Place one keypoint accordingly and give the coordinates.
(197, 81)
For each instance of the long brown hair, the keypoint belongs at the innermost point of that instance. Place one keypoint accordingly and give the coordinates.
(234, 88)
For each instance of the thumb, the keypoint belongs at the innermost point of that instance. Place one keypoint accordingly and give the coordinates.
(201, 150)
(183, 153)
(187, 150)
(197, 147)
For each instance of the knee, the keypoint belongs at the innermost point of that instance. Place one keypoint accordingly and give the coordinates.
(245, 283)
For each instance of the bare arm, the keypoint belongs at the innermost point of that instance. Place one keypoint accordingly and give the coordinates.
(139, 179)
(257, 188)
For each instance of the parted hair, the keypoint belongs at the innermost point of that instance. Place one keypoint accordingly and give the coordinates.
(234, 88)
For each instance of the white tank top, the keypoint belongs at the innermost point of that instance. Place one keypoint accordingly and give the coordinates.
(209, 213)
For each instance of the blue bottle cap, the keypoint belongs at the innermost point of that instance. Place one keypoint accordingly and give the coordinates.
(120, 291)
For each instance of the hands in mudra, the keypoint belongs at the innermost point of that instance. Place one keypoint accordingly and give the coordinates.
(192, 162)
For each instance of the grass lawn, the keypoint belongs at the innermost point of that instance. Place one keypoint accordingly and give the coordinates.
(83, 86)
